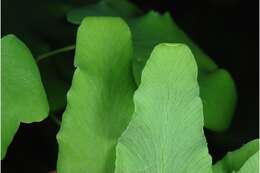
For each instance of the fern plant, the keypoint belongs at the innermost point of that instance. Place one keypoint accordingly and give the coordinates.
(141, 93)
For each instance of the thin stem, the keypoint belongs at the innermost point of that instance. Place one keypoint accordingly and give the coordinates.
(57, 51)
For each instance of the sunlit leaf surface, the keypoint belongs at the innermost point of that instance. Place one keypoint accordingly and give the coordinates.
(234, 160)
(166, 132)
(23, 97)
(215, 83)
(100, 101)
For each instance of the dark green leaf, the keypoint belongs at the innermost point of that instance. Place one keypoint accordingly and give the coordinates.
(121, 8)
(218, 94)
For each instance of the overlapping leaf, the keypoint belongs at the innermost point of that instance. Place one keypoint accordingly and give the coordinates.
(166, 132)
(152, 29)
(251, 165)
(100, 99)
(218, 94)
(23, 96)
(233, 161)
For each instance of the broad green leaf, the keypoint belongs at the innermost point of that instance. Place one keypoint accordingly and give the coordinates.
(23, 96)
(121, 8)
(154, 28)
(165, 134)
(233, 161)
(251, 165)
(100, 99)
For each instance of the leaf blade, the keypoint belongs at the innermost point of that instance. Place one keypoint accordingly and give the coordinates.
(100, 100)
(155, 144)
(21, 89)
(234, 160)
(251, 165)
(152, 29)
(218, 110)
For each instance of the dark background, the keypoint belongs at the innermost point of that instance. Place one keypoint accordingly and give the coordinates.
(226, 29)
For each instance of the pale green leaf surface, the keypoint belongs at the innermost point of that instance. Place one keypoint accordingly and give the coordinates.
(23, 97)
(154, 28)
(251, 165)
(165, 134)
(233, 161)
(100, 101)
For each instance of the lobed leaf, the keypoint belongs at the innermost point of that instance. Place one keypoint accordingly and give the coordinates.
(23, 96)
(152, 29)
(165, 134)
(100, 99)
